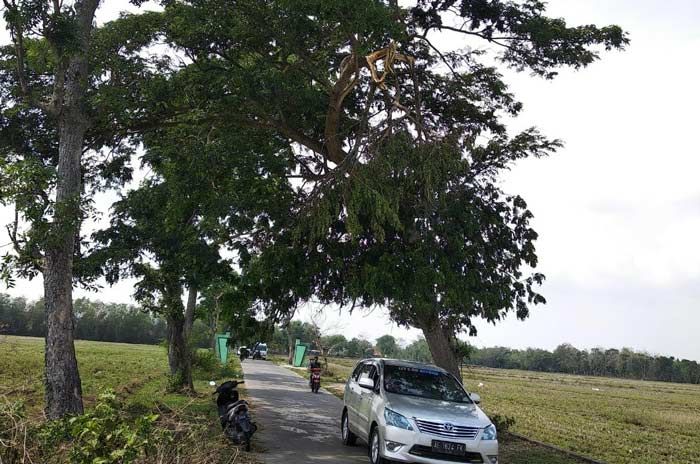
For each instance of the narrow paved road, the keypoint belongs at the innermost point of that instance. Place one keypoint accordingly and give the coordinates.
(295, 425)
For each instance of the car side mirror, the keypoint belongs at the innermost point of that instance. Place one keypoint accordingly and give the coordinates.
(475, 397)
(366, 383)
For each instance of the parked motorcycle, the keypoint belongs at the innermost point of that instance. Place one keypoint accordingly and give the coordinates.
(234, 414)
(315, 379)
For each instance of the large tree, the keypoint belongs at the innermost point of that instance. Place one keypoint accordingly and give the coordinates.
(63, 135)
(397, 140)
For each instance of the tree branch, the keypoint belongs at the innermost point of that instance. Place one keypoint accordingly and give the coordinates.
(349, 74)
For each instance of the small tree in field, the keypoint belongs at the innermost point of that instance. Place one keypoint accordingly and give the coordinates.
(387, 346)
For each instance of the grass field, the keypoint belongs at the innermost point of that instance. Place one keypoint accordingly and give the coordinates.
(617, 421)
(137, 373)
(613, 420)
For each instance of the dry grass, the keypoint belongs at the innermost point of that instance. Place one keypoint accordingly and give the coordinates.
(614, 420)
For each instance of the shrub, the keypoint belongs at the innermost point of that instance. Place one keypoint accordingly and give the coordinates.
(13, 431)
(502, 423)
(205, 360)
(104, 435)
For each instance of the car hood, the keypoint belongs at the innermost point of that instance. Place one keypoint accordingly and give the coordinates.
(465, 414)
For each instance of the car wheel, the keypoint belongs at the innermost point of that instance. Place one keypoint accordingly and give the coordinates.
(375, 442)
(348, 437)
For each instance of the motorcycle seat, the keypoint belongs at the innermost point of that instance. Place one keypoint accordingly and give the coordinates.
(233, 407)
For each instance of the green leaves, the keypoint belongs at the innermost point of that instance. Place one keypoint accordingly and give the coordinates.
(104, 435)
(527, 38)
(425, 231)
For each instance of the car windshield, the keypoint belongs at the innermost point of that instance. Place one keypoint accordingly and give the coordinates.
(424, 383)
(262, 347)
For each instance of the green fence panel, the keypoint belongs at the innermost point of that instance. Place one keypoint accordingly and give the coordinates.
(222, 346)
(299, 353)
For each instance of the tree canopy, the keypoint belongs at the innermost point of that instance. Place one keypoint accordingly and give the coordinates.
(397, 145)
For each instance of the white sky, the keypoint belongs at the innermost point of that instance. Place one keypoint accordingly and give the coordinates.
(617, 209)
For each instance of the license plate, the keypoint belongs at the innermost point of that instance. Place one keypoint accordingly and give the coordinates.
(448, 447)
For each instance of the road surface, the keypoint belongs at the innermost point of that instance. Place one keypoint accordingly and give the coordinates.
(295, 426)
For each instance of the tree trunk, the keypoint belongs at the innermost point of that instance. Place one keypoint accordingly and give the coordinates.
(179, 358)
(214, 323)
(63, 393)
(189, 311)
(290, 339)
(63, 389)
(442, 348)
(290, 347)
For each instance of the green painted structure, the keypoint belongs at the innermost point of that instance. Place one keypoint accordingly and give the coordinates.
(300, 350)
(222, 346)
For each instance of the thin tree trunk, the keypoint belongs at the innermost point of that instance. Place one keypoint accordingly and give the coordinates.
(214, 323)
(290, 340)
(442, 347)
(290, 347)
(179, 359)
(189, 311)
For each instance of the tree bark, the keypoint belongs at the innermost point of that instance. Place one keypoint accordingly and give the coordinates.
(442, 348)
(290, 340)
(189, 311)
(214, 323)
(179, 359)
(63, 393)
(290, 347)
(179, 355)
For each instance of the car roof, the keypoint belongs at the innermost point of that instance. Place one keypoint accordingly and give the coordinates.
(402, 363)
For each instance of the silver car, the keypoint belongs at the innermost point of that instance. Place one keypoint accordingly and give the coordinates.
(412, 412)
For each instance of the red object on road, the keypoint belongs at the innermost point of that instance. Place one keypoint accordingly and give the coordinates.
(315, 379)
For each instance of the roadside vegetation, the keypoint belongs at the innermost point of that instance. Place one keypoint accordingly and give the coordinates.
(130, 415)
(611, 420)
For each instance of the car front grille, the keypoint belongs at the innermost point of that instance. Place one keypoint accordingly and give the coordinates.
(427, 452)
(444, 429)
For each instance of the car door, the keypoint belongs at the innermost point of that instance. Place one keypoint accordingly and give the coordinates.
(366, 399)
(352, 396)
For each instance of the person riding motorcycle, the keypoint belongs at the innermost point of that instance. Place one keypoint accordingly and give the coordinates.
(314, 363)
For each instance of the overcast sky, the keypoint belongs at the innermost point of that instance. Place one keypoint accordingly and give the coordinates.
(617, 209)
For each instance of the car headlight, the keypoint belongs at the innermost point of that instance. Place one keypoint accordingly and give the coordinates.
(489, 433)
(395, 419)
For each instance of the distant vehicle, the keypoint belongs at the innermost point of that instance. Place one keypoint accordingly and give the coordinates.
(259, 351)
(243, 353)
(413, 412)
(313, 353)
(241, 348)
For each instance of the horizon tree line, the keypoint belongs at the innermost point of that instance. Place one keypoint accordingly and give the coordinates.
(110, 322)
